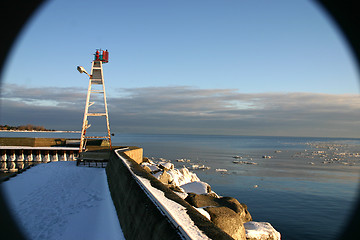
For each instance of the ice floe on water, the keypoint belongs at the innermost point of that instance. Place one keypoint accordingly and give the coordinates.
(326, 153)
(201, 167)
(316, 153)
(183, 160)
(244, 162)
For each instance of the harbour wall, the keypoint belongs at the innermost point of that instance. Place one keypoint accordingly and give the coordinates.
(135, 154)
(32, 142)
(139, 215)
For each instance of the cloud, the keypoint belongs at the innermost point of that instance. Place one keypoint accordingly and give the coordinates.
(69, 97)
(181, 109)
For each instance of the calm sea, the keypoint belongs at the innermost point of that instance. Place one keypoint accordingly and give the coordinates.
(306, 190)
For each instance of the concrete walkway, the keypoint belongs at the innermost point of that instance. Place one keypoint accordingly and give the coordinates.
(58, 200)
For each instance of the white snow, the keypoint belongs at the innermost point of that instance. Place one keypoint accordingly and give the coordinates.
(261, 231)
(167, 165)
(182, 176)
(158, 175)
(177, 212)
(152, 167)
(204, 213)
(197, 187)
(58, 200)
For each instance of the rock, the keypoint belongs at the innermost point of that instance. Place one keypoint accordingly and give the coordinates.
(163, 177)
(201, 200)
(166, 166)
(146, 168)
(261, 231)
(228, 221)
(213, 194)
(152, 167)
(237, 207)
(175, 188)
(197, 187)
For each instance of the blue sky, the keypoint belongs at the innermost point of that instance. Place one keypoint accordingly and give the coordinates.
(234, 54)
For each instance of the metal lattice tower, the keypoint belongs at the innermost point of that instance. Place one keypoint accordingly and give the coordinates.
(96, 88)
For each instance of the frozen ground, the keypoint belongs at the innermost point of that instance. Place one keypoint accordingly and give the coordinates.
(58, 200)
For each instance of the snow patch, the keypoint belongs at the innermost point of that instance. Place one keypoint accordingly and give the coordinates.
(261, 231)
(197, 187)
(204, 213)
(58, 200)
(182, 176)
(177, 211)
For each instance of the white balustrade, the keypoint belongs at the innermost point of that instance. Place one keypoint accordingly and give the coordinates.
(63, 156)
(3, 159)
(38, 157)
(14, 159)
(20, 160)
(54, 157)
(11, 162)
(46, 157)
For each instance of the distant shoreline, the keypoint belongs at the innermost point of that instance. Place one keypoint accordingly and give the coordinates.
(40, 131)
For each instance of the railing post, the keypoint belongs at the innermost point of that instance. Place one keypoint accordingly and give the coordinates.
(3, 159)
(71, 156)
(46, 157)
(54, 156)
(63, 156)
(20, 160)
(29, 158)
(11, 161)
(38, 156)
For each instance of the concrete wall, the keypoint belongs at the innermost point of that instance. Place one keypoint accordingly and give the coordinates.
(48, 142)
(138, 215)
(135, 154)
(32, 142)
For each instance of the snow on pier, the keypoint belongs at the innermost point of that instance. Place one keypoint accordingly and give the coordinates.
(58, 200)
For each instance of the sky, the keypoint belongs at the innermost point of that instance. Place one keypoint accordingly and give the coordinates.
(207, 67)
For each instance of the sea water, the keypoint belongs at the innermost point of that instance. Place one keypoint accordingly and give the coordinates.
(302, 192)
(305, 187)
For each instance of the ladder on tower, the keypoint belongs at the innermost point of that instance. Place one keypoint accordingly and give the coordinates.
(96, 86)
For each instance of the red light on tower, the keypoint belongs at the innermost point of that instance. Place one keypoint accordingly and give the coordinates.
(102, 56)
(97, 56)
(105, 56)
